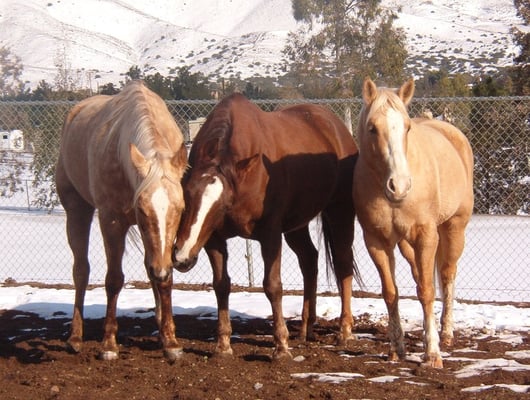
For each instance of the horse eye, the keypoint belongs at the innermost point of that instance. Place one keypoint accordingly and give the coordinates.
(371, 129)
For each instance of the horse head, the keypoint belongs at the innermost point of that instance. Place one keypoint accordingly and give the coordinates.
(159, 203)
(383, 133)
(209, 189)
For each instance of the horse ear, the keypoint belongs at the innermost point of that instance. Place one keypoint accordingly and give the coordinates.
(210, 149)
(406, 91)
(244, 166)
(139, 161)
(180, 159)
(369, 91)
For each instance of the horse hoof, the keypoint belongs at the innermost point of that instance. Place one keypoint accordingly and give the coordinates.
(310, 337)
(108, 355)
(393, 356)
(223, 353)
(433, 361)
(173, 355)
(342, 340)
(282, 355)
(74, 345)
(447, 341)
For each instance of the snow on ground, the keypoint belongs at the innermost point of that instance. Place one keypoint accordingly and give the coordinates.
(501, 321)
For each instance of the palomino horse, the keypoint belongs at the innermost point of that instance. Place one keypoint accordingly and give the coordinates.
(412, 186)
(257, 175)
(123, 155)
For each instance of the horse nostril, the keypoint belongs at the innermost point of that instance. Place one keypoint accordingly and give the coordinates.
(391, 186)
(174, 254)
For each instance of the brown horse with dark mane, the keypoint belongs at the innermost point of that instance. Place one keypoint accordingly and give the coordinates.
(413, 187)
(123, 155)
(256, 175)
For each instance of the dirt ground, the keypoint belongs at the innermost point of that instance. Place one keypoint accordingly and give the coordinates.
(35, 363)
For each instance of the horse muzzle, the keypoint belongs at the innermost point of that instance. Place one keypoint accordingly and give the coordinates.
(397, 188)
(185, 266)
(182, 265)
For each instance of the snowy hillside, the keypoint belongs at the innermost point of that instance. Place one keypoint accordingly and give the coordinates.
(102, 39)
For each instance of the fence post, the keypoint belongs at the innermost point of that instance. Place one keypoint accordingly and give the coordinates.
(27, 195)
(250, 264)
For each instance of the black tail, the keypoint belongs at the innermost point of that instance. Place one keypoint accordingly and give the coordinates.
(330, 250)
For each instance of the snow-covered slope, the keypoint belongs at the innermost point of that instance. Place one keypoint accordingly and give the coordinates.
(102, 39)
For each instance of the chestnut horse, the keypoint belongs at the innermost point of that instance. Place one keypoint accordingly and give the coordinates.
(123, 155)
(412, 186)
(256, 175)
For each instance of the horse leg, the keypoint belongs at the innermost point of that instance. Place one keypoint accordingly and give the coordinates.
(164, 319)
(218, 255)
(272, 285)
(449, 251)
(302, 245)
(425, 246)
(113, 230)
(338, 231)
(78, 220)
(383, 257)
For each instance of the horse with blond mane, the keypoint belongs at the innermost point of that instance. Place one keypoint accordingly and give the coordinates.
(412, 186)
(123, 155)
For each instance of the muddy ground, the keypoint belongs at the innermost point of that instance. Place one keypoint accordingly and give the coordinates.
(36, 364)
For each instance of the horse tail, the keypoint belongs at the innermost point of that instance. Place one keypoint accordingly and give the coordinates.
(330, 248)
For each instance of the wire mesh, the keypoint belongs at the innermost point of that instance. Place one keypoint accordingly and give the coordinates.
(494, 265)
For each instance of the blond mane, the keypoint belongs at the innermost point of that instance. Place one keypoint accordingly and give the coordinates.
(386, 99)
(148, 112)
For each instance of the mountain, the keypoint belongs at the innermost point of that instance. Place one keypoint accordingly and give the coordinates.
(102, 39)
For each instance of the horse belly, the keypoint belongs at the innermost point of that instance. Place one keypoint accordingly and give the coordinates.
(74, 164)
(311, 192)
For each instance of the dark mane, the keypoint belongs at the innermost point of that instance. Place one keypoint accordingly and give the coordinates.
(211, 146)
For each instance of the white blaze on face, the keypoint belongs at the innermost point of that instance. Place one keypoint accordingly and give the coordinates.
(212, 193)
(397, 160)
(160, 202)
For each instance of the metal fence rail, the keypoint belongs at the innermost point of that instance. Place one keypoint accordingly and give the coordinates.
(494, 265)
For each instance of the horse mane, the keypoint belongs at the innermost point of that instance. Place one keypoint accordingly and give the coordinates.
(386, 99)
(212, 143)
(136, 100)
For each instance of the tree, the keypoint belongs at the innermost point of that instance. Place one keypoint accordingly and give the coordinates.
(440, 83)
(160, 85)
(190, 86)
(491, 86)
(43, 91)
(108, 89)
(520, 72)
(133, 73)
(340, 42)
(10, 72)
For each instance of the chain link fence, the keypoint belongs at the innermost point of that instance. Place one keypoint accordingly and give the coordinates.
(494, 266)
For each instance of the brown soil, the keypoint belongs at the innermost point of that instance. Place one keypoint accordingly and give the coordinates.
(35, 363)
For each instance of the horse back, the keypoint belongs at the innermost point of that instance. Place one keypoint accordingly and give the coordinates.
(449, 149)
(296, 161)
(77, 136)
(457, 139)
